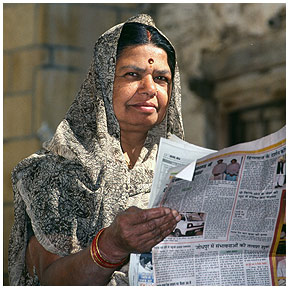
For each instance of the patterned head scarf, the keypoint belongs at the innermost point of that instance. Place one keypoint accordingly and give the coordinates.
(79, 180)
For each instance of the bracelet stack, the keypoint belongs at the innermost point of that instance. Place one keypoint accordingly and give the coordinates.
(96, 256)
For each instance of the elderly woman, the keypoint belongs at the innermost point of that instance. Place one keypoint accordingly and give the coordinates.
(80, 201)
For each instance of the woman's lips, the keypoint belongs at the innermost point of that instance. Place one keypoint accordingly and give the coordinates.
(145, 107)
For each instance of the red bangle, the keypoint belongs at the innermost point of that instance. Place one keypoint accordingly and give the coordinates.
(96, 256)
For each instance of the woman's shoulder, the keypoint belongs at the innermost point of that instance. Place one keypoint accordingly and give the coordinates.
(44, 163)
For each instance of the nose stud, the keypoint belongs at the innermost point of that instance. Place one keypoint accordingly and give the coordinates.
(151, 61)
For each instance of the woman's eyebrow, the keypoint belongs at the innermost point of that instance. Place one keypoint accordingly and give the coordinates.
(165, 71)
(133, 67)
(139, 69)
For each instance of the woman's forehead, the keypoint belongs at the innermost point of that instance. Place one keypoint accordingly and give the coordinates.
(146, 53)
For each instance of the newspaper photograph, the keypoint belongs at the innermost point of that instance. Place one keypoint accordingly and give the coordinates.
(233, 228)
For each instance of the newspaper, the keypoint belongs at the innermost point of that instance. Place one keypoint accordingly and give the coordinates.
(174, 156)
(233, 228)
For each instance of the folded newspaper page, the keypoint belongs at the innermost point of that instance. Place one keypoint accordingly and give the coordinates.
(174, 156)
(233, 228)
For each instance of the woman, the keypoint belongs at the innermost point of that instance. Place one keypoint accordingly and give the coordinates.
(97, 170)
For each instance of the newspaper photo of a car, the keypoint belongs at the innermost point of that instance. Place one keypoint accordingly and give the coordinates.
(191, 224)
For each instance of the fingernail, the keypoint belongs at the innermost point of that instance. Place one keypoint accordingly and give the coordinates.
(167, 210)
(178, 218)
(175, 213)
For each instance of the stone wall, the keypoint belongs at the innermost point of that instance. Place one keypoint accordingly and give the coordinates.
(224, 51)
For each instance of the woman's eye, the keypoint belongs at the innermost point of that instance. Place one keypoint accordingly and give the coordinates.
(131, 74)
(162, 79)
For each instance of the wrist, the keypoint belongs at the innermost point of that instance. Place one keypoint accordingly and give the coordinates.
(97, 256)
(109, 250)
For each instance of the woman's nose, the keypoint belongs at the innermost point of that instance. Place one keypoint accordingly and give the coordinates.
(148, 86)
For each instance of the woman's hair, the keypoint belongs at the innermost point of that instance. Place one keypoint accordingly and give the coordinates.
(137, 34)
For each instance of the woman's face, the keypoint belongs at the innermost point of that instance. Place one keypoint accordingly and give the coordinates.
(142, 87)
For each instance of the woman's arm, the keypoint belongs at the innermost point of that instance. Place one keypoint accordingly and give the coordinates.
(75, 269)
(134, 230)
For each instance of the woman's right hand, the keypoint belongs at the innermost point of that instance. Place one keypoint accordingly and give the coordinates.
(136, 231)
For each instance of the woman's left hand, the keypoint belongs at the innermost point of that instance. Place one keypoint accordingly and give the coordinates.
(137, 231)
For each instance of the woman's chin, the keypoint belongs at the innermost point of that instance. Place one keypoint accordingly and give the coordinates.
(143, 124)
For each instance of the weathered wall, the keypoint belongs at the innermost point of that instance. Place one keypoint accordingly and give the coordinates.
(224, 45)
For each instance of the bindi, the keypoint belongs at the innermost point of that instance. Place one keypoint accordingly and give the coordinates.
(151, 61)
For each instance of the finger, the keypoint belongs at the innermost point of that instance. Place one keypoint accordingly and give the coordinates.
(151, 214)
(167, 229)
(176, 215)
(155, 225)
(142, 216)
(158, 233)
(145, 245)
(149, 240)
